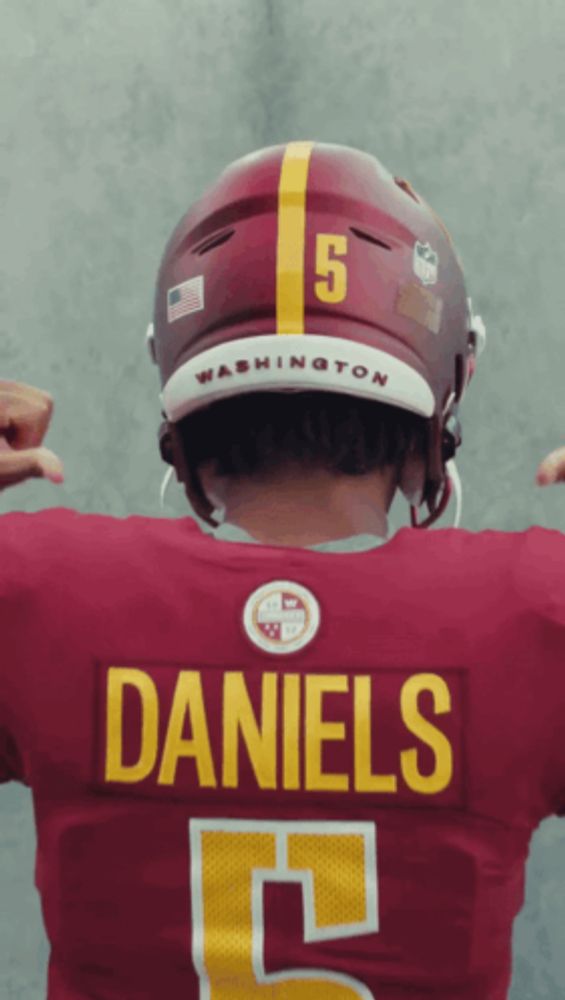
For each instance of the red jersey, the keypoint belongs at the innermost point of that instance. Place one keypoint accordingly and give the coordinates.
(262, 772)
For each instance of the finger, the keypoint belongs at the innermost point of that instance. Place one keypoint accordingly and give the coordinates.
(6, 385)
(552, 469)
(24, 415)
(15, 466)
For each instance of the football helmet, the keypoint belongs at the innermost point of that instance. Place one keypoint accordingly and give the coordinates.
(308, 266)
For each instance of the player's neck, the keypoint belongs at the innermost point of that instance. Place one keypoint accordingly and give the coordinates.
(317, 507)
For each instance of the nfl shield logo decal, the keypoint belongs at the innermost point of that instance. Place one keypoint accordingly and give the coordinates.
(426, 263)
(281, 617)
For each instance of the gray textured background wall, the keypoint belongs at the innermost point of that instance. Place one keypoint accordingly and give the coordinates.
(114, 116)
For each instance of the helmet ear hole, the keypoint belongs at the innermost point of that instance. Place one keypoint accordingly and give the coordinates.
(166, 443)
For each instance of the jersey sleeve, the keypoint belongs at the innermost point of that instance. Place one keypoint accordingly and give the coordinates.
(12, 576)
(540, 582)
(36, 551)
(541, 573)
(22, 554)
(10, 763)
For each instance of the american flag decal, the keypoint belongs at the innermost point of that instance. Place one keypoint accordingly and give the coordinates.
(186, 298)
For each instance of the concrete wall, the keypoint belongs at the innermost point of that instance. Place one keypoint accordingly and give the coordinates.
(114, 116)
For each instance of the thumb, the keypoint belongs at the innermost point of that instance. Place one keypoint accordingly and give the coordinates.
(552, 469)
(49, 465)
(18, 465)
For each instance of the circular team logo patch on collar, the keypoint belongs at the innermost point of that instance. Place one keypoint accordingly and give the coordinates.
(281, 617)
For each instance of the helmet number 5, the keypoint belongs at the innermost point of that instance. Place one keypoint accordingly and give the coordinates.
(232, 860)
(332, 272)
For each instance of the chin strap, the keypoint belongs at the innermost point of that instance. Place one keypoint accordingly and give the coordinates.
(164, 487)
(453, 473)
(452, 484)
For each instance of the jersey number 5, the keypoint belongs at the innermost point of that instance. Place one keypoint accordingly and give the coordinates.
(231, 860)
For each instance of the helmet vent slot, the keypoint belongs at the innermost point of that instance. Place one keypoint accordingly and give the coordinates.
(214, 241)
(370, 239)
(459, 376)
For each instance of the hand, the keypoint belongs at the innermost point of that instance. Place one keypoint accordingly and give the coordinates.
(552, 469)
(25, 413)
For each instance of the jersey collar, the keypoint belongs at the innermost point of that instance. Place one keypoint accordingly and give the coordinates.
(227, 532)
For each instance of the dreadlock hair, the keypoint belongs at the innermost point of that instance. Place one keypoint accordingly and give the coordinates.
(257, 433)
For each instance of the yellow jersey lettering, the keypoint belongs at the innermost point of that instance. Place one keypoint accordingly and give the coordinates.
(188, 701)
(365, 780)
(291, 731)
(260, 738)
(382, 737)
(118, 678)
(317, 732)
(429, 734)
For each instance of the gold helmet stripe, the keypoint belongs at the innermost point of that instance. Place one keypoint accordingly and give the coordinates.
(291, 237)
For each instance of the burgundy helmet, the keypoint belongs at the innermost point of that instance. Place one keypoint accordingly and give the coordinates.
(306, 267)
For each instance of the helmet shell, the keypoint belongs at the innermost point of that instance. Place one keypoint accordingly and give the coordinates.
(310, 266)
